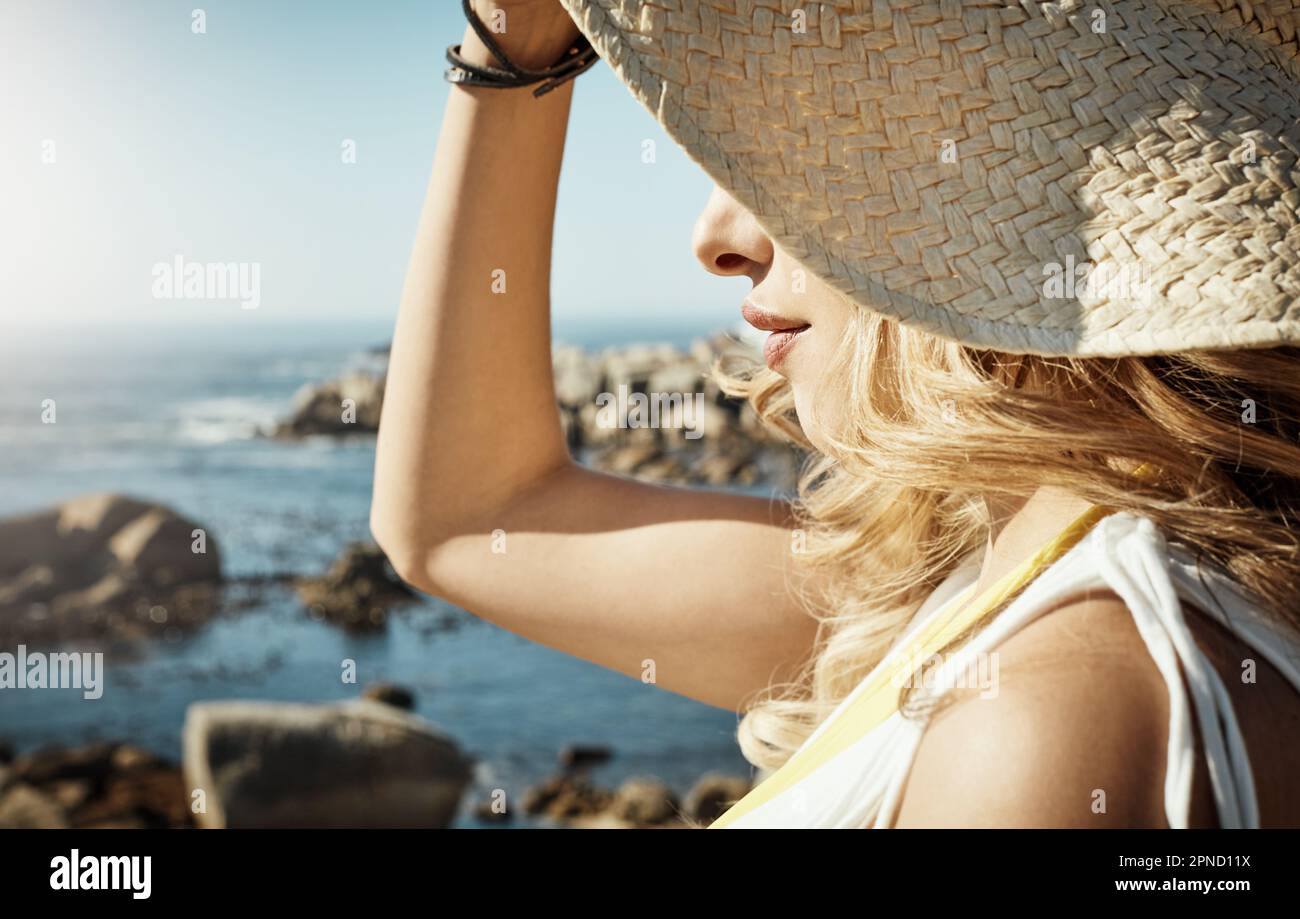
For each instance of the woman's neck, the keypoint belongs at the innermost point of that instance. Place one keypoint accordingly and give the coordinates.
(1020, 526)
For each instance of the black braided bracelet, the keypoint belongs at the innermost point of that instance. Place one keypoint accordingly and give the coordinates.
(580, 57)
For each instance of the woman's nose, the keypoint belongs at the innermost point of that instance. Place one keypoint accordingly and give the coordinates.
(728, 240)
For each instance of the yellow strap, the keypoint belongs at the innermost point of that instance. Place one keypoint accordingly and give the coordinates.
(878, 700)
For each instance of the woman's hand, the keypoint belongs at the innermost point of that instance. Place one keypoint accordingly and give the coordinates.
(533, 33)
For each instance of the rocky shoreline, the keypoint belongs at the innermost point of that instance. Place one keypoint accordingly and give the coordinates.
(97, 786)
(369, 762)
(640, 802)
(365, 763)
(120, 786)
(110, 570)
(651, 411)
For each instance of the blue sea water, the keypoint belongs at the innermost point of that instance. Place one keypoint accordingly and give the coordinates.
(170, 414)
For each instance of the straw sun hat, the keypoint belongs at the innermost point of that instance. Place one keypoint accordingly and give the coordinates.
(1080, 177)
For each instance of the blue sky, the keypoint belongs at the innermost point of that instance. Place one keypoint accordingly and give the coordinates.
(226, 147)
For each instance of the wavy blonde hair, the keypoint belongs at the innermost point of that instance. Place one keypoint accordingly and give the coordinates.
(931, 427)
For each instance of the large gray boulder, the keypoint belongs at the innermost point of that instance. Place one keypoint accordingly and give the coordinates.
(103, 566)
(352, 764)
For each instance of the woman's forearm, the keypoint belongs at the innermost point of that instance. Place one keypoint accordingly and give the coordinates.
(469, 413)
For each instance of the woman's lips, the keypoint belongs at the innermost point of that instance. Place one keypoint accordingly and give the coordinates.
(778, 344)
(785, 332)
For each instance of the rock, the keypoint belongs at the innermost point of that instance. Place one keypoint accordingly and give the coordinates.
(684, 377)
(725, 468)
(100, 785)
(664, 468)
(23, 807)
(347, 405)
(354, 764)
(625, 460)
(357, 591)
(48, 765)
(32, 585)
(712, 795)
(644, 802)
(157, 545)
(390, 694)
(591, 432)
(581, 756)
(127, 758)
(703, 426)
(632, 365)
(70, 794)
(98, 567)
(577, 376)
(704, 351)
(145, 797)
(6, 753)
(564, 797)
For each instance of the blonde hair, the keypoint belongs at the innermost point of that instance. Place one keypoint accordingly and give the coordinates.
(930, 427)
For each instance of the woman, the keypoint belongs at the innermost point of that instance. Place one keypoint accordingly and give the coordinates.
(1031, 277)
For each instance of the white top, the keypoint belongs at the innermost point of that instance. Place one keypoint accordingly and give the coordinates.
(862, 785)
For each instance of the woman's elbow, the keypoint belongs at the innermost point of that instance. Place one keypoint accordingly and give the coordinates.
(407, 551)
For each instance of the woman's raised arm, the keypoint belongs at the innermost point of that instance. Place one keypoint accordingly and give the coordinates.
(476, 499)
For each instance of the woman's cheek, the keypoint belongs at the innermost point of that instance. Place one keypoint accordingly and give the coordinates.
(803, 405)
(819, 411)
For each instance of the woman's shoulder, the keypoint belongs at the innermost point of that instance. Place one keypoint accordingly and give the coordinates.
(1078, 730)
(1076, 703)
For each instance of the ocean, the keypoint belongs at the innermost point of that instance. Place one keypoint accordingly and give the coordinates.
(171, 414)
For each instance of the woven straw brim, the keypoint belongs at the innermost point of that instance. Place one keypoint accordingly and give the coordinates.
(1061, 178)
